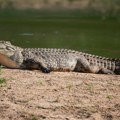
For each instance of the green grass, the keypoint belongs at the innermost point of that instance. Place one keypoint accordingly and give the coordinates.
(89, 87)
(109, 97)
(2, 80)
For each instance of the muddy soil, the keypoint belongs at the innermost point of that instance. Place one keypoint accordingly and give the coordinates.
(32, 95)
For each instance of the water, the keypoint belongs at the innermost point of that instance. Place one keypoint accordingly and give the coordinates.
(93, 36)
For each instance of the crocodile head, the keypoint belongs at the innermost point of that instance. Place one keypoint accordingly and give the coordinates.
(7, 48)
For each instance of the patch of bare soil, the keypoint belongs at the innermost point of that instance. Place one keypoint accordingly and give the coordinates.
(32, 95)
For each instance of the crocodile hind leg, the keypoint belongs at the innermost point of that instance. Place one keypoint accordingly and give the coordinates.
(83, 65)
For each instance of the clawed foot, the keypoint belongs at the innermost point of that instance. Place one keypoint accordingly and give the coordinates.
(45, 70)
(106, 71)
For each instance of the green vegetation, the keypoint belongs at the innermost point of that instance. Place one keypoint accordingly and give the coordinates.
(109, 97)
(40, 82)
(2, 81)
(69, 87)
(89, 87)
(34, 117)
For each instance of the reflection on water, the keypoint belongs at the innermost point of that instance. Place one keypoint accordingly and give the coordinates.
(26, 34)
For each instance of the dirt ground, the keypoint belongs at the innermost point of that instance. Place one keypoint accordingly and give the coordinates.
(32, 95)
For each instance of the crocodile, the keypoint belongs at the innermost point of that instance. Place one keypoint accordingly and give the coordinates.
(52, 59)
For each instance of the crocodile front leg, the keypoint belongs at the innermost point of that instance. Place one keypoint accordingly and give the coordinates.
(32, 61)
(28, 60)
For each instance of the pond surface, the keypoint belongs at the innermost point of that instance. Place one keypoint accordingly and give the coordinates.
(93, 36)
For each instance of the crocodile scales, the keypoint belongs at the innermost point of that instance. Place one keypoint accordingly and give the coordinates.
(49, 59)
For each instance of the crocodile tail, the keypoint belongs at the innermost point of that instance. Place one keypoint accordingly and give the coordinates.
(117, 67)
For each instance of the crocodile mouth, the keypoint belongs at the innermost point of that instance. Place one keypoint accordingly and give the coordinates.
(7, 52)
